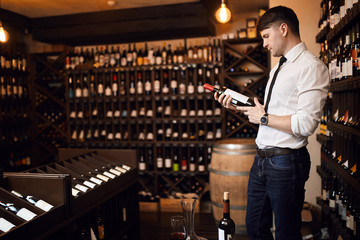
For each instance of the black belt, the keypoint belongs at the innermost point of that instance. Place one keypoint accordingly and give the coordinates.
(270, 152)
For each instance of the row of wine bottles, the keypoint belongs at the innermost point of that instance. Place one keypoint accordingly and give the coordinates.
(343, 58)
(332, 11)
(13, 88)
(138, 55)
(12, 59)
(139, 82)
(163, 108)
(345, 154)
(161, 131)
(88, 173)
(326, 116)
(342, 204)
(345, 108)
(192, 158)
(14, 111)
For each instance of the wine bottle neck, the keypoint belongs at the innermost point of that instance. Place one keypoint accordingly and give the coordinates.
(226, 210)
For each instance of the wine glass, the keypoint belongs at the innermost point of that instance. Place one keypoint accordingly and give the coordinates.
(177, 228)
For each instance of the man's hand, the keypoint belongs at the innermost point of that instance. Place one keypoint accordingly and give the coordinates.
(254, 113)
(225, 101)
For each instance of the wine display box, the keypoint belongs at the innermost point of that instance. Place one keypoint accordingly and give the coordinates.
(340, 131)
(88, 190)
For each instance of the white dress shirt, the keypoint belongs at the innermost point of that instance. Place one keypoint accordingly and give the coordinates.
(300, 90)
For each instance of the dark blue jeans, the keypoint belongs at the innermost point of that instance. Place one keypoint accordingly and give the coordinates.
(276, 184)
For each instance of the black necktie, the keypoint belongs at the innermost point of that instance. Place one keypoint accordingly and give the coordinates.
(282, 60)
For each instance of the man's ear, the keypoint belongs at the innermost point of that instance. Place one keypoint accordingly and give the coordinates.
(284, 29)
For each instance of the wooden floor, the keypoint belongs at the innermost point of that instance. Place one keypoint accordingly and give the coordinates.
(155, 226)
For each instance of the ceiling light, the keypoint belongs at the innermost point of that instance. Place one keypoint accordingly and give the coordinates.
(223, 14)
(4, 35)
(111, 3)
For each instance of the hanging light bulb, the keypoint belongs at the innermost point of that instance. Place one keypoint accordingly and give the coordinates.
(223, 14)
(4, 35)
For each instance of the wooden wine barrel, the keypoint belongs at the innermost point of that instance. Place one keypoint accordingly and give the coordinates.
(231, 162)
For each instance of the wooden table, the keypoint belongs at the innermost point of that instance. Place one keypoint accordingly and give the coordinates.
(157, 225)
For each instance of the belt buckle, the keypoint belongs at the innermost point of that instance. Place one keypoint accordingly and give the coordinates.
(268, 153)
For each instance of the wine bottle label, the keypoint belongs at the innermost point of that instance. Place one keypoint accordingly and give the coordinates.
(201, 168)
(108, 91)
(173, 84)
(117, 173)
(191, 89)
(159, 162)
(332, 203)
(122, 170)
(147, 86)
(89, 184)
(142, 166)
(102, 177)
(124, 215)
(167, 162)
(221, 235)
(5, 225)
(26, 214)
(74, 192)
(81, 188)
(44, 205)
(192, 167)
(106, 173)
(352, 222)
(96, 180)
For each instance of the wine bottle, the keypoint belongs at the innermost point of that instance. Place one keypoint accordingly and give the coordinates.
(238, 99)
(22, 213)
(37, 202)
(100, 225)
(5, 225)
(226, 228)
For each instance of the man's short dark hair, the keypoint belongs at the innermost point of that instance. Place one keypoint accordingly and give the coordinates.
(279, 15)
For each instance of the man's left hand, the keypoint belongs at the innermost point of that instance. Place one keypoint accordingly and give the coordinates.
(254, 113)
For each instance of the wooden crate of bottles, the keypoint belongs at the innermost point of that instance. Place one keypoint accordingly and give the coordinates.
(340, 131)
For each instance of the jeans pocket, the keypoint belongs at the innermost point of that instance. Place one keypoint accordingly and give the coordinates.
(283, 162)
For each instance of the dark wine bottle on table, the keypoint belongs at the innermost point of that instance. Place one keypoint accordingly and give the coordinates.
(226, 228)
(238, 99)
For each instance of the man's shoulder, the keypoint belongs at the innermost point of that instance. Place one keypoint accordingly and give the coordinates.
(307, 58)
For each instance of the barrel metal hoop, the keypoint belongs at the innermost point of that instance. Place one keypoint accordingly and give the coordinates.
(233, 153)
(234, 146)
(229, 173)
(232, 207)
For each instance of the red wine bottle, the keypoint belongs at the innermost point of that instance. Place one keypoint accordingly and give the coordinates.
(226, 228)
(238, 99)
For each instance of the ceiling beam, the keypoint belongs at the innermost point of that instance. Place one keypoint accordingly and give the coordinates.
(125, 25)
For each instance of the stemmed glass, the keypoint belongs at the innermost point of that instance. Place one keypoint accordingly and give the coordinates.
(177, 228)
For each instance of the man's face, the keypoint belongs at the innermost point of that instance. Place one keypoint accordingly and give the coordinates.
(273, 40)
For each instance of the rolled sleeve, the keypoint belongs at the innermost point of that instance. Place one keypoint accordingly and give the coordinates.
(312, 86)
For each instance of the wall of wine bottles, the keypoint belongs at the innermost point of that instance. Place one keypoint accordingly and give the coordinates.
(340, 134)
(151, 98)
(15, 108)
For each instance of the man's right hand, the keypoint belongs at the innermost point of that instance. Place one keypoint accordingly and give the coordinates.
(225, 101)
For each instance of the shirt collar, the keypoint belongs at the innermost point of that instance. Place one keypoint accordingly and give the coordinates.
(295, 52)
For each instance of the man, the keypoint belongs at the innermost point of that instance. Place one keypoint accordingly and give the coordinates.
(290, 114)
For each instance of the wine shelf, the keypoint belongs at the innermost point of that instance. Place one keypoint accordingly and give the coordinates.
(15, 108)
(350, 18)
(346, 85)
(343, 130)
(323, 140)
